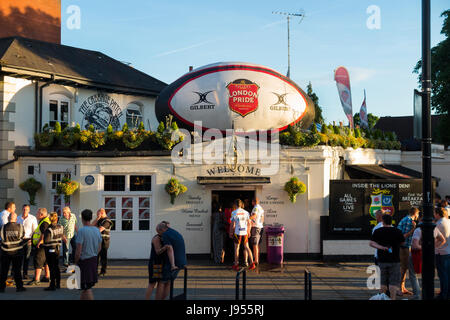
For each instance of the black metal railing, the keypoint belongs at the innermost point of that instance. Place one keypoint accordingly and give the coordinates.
(182, 296)
(308, 285)
(243, 271)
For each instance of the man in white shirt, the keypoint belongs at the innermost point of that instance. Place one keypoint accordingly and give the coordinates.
(257, 227)
(10, 207)
(240, 222)
(443, 253)
(30, 224)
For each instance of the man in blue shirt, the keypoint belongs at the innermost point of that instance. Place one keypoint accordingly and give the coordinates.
(407, 226)
(175, 239)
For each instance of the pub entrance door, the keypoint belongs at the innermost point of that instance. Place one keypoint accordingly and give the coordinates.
(225, 199)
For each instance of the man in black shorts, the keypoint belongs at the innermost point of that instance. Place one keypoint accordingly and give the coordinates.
(39, 251)
(387, 241)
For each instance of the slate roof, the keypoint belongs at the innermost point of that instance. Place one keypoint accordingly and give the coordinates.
(34, 59)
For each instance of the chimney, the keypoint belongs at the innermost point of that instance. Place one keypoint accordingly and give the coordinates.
(191, 68)
(33, 19)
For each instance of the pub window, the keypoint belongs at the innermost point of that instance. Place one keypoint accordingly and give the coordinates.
(127, 214)
(114, 183)
(134, 116)
(59, 112)
(140, 183)
(111, 208)
(144, 213)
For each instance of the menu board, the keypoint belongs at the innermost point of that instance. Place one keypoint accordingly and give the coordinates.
(353, 203)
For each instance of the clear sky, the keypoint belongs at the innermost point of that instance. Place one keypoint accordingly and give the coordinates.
(164, 38)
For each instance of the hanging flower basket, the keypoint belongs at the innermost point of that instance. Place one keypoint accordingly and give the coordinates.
(67, 187)
(31, 186)
(294, 187)
(174, 188)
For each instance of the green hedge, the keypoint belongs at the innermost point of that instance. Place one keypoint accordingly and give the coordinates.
(73, 138)
(335, 136)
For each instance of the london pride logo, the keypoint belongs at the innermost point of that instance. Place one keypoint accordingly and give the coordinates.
(243, 96)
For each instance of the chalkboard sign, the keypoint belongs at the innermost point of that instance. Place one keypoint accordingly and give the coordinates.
(353, 203)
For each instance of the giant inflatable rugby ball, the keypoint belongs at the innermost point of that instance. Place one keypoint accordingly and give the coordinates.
(242, 96)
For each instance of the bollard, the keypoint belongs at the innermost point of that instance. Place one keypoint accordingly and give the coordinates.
(182, 296)
(244, 283)
(308, 285)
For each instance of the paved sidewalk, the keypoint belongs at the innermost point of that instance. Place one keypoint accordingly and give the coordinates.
(128, 279)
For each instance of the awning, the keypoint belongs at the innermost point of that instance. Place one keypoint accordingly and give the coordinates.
(236, 180)
(382, 171)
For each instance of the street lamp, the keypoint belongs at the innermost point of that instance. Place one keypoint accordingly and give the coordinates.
(427, 225)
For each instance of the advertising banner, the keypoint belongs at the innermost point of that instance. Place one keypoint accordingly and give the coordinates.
(342, 79)
(353, 203)
(364, 122)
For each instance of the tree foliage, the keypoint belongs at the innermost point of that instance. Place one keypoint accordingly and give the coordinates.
(440, 79)
(318, 115)
(371, 119)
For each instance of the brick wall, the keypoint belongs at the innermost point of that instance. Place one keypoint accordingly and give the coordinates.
(35, 19)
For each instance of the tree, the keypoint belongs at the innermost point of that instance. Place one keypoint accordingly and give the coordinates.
(318, 117)
(371, 119)
(440, 79)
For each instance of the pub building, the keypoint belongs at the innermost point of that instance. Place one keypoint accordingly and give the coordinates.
(43, 83)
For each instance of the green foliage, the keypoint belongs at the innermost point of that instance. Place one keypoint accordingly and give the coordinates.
(67, 187)
(371, 119)
(31, 186)
(57, 127)
(294, 187)
(91, 128)
(340, 137)
(125, 127)
(109, 130)
(174, 188)
(161, 127)
(440, 80)
(318, 118)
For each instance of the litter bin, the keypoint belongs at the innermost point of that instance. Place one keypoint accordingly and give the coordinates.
(275, 243)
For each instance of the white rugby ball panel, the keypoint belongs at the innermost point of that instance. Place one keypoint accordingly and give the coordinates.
(250, 96)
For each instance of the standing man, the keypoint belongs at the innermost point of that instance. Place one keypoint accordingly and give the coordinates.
(12, 235)
(69, 223)
(10, 207)
(379, 219)
(443, 254)
(172, 238)
(407, 226)
(30, 224)
(240, 220)
(388, 240)
(51, 242)
(89, 242)
(39, 253)
(257, 228)
(104, 224)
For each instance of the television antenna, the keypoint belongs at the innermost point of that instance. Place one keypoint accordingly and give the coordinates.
(300, 14)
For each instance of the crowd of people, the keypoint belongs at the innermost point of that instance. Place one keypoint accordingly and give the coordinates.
(399, 251)
(41, 237)
(241, 228)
